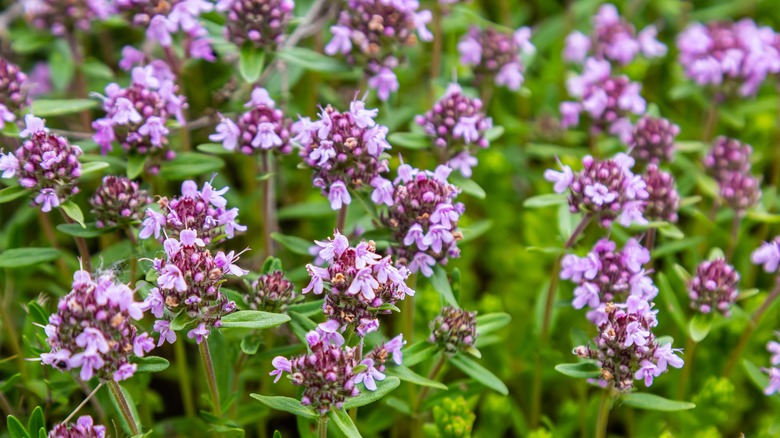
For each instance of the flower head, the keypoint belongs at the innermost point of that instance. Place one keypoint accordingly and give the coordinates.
(714, 287)
(496, 55)
(118, 201)
(454, 330)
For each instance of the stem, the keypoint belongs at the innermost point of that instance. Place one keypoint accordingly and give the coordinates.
(437, 43)
(185, 383)
(341, 221)
(709, 124)
(51, 236)
(734, 235)
(269, 202)
(81, 244)
(86, 400)
(124, 407)
(690, 352)
(432, 376)
(211, 378)
(407, 315)
(79, 80)
(322, 429)
(752, 324)
(650, 244)
(133, 258)
(603, 415)
(10, 323)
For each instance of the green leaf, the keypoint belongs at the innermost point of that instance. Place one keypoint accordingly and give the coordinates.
(73, 211)
(343, 421)
(671, 231)
(7, 384)
(409, 140)
(468, 186)
(367, 397)
(37, 421)
(305, 210)
(15, 428)
(683, 273)
(441, 284)
(135, 165)
(547, 200)
(36, 312)
(8, 194)
(699, 327)
(582, 370)
(93, 167)
(666, 293)
(494, 133)
(419, 352)
(189, 164)
(286, 404)
(214, 148)
(253, 319)
(311, 60)
(151, 364)
(49, 108)
(293, 243)
(479, 373)
(763, 217)
(250, 62)
(87, 231)
(250, 344)
(23, 257)
(491, 322)
(641, 400)
(760, 379)
(407, 375)
(472, 231)
(96, 69)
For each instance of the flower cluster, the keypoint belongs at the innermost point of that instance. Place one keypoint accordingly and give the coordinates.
(607, 275)
(454, 330)
(262, 128)
(607, 99)
(714, 287)
(360, 284)
(46, 163)
(606, 189)
(374, 361)
(84, 427)
(118, 202)
(271, 292)
(613, 38)
(626, 348)
(774, 372)
(652, 140)
(768, 255)
(456, 122)
(262, 23)
(188, 280)
(63, 17)
(92, 329)
(137, 116)
(13, 84)
(423, 217)
(344, 149)
(373, 33)
(495, 55)
(733, 58)
(164, 18)
(203, 211)
(663, 200)
(729, 163)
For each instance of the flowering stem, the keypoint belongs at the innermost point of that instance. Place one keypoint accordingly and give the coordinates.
(322, 429)
(269, 201)
(133, 258)
(81, 244)
(211, 378)
(431, 376)
(341, 221)
(48, 230)
(9, 322)
(185, 383)
(79, 80)
(407, 315)
(709, 124)
(690, 352)
(734, 235)
(603, 415)
(437, 43)
(86, 400)
(124, 407)
(752, 324)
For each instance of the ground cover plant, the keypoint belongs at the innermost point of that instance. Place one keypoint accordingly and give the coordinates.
(432, 218)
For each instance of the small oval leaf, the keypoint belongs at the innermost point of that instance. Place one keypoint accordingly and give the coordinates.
(23, 257)
(641, 400)
(286, 404)
(253, 319)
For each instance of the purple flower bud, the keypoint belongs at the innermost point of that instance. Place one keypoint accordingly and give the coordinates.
(454, 330)
(495, 55)
(714, 287)
(84, 428)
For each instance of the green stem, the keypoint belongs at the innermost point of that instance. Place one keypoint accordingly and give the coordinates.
(48, 230)
(734, 235)
(437, 43)
(690, 352)
(10, 324)
(124, 407)
(81, 244)
(269, 201)
(211, 378)
(86, 400)
(185, 382)
(603, 415)
(407, 314)
(432, 376)
(322, 429)
(341, 221)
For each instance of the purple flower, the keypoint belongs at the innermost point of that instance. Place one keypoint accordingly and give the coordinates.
(155, 129)
(384, 82)
(422, 262)
(341, 42)
(281, 365)
(365, 283)
(47, 199)
(338, 195)
(318, 276)
(562, 180)
(143, 344)
(125, 112)
(496, 54)
(33, 126)
(369, 376)
(383, 191)
(394, 347)
(165, 331)
(774, 381)
(577, 47)
(646, 372)
(587, 293)
(160, 29)
(172, 278)
(266, 137)
(199, 333)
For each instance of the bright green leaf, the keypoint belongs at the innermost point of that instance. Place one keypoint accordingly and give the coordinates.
(293, 243)
(410, 376)
(286, 404)
(441, 284)
(479, 373)
(88, 230)
(253, 319)
(641, 400)
(547, 200)
(8, 194)
(190, 164)
(151, 364)
(50, 108)
(23, 257)
(491, 322)
(699, 327)
(250, 62)
(73, 211)
(342, 420)
(582, 370)
(367, 397)
(409, 140)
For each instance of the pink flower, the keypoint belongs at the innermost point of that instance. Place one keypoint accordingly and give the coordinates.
(341, 42)
(338, 196)
(199, 333)
(384, 82)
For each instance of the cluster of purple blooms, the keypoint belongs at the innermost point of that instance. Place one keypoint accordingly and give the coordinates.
(605, 189)
(271, 292)
(45, 163)
(614, 39)
(774, 372)
(662, 200)
(454, 330)
(626, 348)
(455, 123)
(137, 117)
(652, 140)
(13, 91)
(728, 161)
(189, 280)
(118, 202)
(202, 211)
(496, 55)
(768, 256)
(64, 17)
(84, 427)
(732, 58)
(372, 33)
(92, 329)
(423, 217)
(259, 22)
(345, 149)
(714, 287)
(262, 127)
(608, 100)
(358, 282)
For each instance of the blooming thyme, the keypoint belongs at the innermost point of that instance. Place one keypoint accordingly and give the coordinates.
(714, 287)
(92, 329)
(662, 198)
(774, 371)
(652, 140)
(262, 128)
(189, 281)
(732, 58)
(422, 215)
(496, 56)
(767, 255)
(84, 427)
(740, 191)
(360, 284)
(456, 122)
(613, 38)
(373, 34)
(727, 155)
(262, 22)
(606, 189)
(13, 90)
(62, 17)
(46, 163)
(608, 100)
(626, 348)
(454, 330)
(118, 201)
(204, 212)
(344, 149)
(271, 292)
